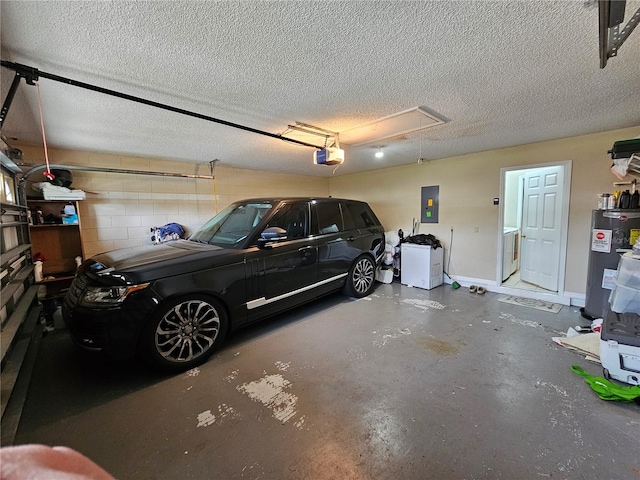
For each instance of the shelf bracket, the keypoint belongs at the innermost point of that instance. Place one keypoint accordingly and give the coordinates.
(611, 38)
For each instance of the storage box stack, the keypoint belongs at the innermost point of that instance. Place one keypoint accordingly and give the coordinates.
(625, 296)
(620, 335)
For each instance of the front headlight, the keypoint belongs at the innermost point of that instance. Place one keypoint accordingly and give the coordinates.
(106, 296)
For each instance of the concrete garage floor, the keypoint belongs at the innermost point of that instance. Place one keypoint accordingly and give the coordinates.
(404, 384)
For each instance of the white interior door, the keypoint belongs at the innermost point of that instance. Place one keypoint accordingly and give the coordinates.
(542, 226)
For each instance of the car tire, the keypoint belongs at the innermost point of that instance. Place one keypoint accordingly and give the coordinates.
(184, 333)
(361, 277)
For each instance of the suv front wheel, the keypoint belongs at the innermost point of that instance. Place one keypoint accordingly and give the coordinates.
(184, 333)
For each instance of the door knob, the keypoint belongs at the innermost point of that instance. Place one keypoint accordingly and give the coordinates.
(523, 236)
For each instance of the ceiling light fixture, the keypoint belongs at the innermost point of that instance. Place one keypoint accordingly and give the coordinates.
(379, 153)
(407, 121)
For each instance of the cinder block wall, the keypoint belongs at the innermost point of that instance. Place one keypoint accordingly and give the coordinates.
(120, 209)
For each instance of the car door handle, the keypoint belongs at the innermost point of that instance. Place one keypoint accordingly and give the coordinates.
(305, 251)
(351, 239)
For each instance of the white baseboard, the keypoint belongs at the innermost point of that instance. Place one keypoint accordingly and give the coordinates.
(577, 299)
(566, 298)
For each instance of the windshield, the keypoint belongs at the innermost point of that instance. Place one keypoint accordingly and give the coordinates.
(231, 225)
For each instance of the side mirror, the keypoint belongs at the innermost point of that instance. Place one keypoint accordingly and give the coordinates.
(272, 234)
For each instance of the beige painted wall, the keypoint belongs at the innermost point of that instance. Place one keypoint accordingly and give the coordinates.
(120, 208)
(468, 185)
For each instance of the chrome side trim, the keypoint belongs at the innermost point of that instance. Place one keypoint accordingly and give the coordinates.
(259, 302)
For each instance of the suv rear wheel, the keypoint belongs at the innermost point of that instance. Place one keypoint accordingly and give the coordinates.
(361, 277)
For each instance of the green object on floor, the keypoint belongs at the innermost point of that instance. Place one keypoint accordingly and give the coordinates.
(607, 390)
(454, 284)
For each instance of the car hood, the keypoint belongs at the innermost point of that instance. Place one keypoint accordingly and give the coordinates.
(151, 262)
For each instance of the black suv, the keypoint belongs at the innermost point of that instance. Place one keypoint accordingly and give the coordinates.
(174, 302)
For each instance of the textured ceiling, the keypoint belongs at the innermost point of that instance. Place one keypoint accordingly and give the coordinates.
(501, 73)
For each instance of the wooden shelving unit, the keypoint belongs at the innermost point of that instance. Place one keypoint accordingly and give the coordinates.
(58, 243)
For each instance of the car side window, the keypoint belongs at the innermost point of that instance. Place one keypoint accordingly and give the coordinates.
(362, 215)
(349, 224)
(294, 218)
(329, 218)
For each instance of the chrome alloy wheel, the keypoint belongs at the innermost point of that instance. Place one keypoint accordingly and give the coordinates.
(187, 331)
(363, 275)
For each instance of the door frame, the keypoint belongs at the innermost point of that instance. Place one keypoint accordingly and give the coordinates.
(558, 296)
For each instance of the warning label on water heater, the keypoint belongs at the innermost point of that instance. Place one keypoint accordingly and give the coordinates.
(601, 240)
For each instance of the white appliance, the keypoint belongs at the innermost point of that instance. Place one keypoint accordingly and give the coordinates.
(620, 347)
(509, 252)
(421, 266)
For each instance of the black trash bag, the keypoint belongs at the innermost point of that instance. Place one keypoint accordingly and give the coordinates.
(63, 178)
(424, 239)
